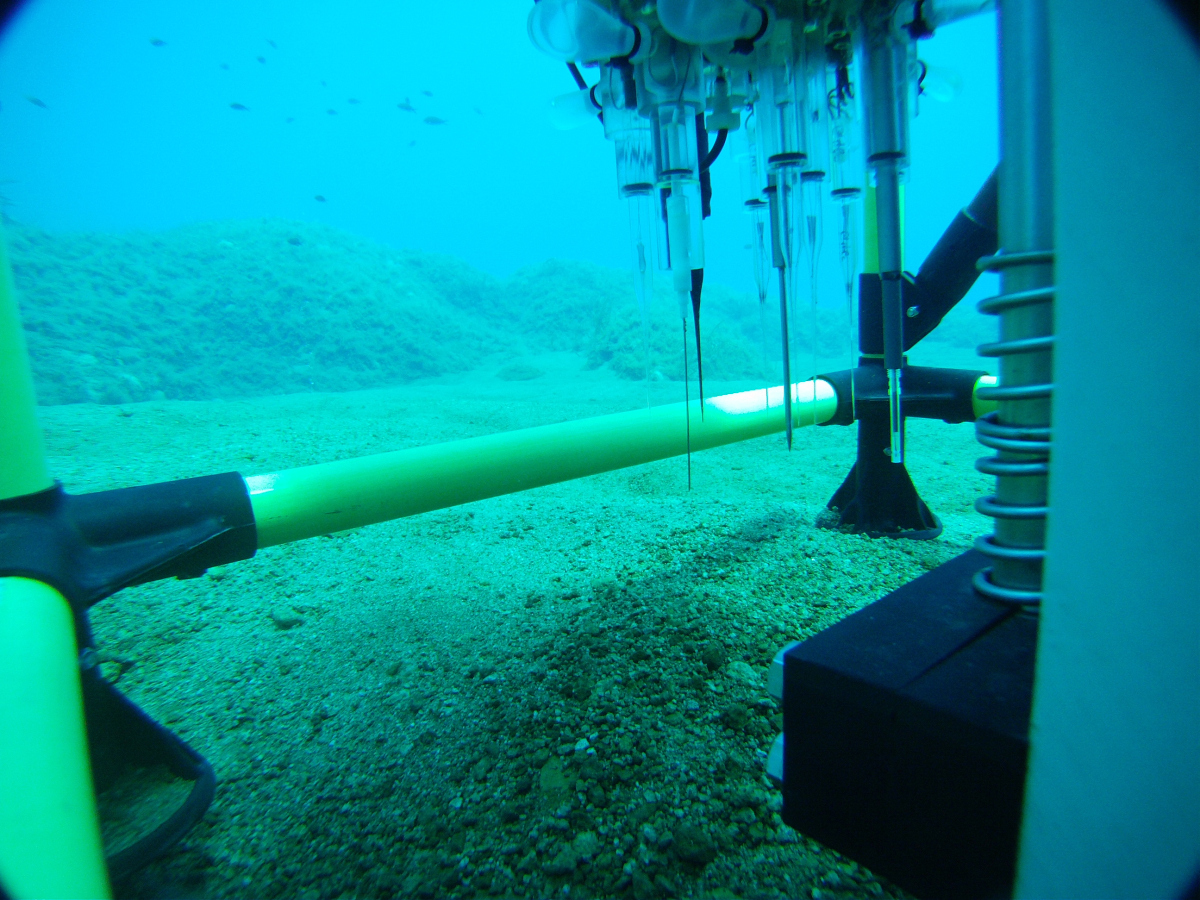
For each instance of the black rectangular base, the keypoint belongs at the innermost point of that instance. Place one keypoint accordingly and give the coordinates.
(906, 735)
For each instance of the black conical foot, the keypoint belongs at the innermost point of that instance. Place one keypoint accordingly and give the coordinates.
(887, 505)
(878, 497)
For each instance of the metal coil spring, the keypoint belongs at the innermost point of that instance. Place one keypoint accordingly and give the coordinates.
(1025, 440)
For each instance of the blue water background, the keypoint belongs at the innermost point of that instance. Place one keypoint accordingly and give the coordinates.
(136, 135)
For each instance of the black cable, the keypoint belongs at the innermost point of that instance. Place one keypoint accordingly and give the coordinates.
(718, 145)
(577, 75)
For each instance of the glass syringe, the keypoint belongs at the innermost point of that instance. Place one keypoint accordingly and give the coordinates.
(845, 170)
(813, 179)
(671, 94)
(757, 214)
(779, 113)
(633, 138)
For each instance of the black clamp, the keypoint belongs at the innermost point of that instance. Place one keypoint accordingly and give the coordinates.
(89, 546)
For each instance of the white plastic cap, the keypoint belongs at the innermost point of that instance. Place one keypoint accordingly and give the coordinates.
(775, 673)
(571, 110)
(579, 31)
(710, 21)
(775, 760)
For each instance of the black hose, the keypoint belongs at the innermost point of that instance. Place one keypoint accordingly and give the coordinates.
(577, 75)
(718, 145)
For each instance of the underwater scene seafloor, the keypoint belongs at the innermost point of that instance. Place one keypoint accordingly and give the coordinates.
(554, 693)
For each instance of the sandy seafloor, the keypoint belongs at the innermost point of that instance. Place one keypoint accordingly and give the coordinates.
(396, 711)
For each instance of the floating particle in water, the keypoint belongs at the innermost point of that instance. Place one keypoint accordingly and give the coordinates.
(353, 100)
(240, 107)
(319, 198)
(225, 66)
(36, 102)
(157, 42)
(478, 111)
(289, 120)
(332, 112)
(427, 93)
(272, 43)
(434, 120)
(406, 106)
(261, 59)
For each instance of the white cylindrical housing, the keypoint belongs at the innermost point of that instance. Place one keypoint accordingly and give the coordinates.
(579, 31)
(885, 83)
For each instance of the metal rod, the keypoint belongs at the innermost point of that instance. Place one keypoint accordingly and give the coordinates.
(779, 261)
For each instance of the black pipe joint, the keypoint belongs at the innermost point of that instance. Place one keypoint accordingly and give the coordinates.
(926, 392)
(89, 546)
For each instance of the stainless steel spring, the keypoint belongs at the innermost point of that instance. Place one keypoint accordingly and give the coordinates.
(1031, 443)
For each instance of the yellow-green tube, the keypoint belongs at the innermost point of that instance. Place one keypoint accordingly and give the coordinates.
(304, 502)
(22, 457)
(871, 231)
(49, 832)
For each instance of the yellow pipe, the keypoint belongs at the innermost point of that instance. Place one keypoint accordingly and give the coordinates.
(49, 832)
(871, 231)
(312, 500)
(22, 455)
(983, 407)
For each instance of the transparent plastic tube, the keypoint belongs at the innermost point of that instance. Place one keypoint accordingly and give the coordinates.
(848, 250)
(641, 237)
(780, 100)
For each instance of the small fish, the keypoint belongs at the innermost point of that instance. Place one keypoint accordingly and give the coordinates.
(262, 59)
(353, 100)
(272, 43)
(36, 102)
(434, 120)
(157, 42)
(406, 106)
(319, 198)
(427, 93)
(240, 107)
(332, 112)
